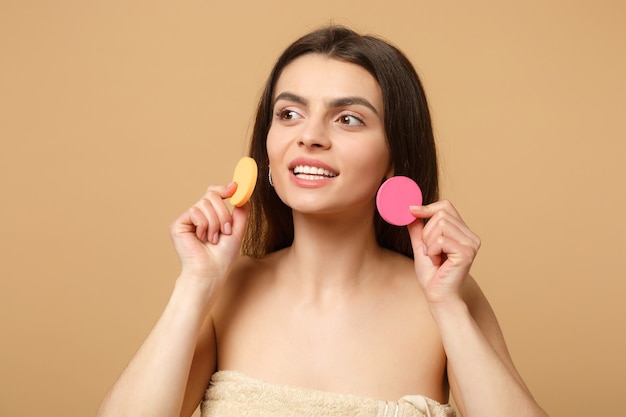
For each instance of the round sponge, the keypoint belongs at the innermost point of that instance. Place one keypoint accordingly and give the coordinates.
(245, 176)
(394, 198)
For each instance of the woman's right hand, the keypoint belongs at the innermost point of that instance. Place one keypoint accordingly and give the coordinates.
(207, 236)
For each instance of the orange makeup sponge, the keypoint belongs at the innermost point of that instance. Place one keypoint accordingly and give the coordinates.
(245, 176)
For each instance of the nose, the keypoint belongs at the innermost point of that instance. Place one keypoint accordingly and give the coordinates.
(314, 135)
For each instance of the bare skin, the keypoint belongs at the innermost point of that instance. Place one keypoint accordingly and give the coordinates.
(333, 311)
(340, 334)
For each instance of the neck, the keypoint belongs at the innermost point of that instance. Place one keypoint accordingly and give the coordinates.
(333, 252)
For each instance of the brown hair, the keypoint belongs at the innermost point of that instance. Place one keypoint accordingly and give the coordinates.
(407, 125)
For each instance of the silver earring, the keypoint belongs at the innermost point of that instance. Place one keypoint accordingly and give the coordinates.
(269, 176)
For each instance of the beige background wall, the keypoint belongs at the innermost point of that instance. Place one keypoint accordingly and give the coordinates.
(115, 116)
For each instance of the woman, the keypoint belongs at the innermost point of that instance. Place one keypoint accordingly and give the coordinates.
(330, 311)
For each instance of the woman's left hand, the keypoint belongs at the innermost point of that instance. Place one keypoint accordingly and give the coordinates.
(444, 249)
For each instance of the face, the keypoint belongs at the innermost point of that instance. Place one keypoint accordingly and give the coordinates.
(326, 144)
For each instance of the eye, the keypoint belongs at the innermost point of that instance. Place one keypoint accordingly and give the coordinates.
(286, 114)
(350, 120)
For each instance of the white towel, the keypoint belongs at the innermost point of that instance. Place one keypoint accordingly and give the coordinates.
(234, 394)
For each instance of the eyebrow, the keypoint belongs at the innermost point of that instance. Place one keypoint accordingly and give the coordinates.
(338, 102)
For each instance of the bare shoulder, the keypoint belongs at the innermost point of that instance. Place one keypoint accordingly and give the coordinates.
(248, 271)
(246, 268)
(401, 273)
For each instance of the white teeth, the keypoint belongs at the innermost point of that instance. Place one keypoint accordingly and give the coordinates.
(312, 172)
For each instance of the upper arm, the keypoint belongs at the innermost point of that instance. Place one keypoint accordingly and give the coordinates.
(202, 367)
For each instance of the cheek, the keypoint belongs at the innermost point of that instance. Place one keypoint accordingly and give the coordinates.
(272, 144)
(277, 143)
(368, 170)
(374, 159)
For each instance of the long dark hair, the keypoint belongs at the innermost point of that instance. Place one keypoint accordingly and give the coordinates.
(407, 125)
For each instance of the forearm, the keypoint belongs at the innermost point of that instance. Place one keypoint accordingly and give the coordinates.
(154, 382)
(484, 377)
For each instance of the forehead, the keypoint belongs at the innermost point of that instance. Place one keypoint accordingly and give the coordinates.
(316, 75)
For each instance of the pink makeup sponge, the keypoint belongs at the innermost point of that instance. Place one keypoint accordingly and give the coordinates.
(245, 176)
(394, 198)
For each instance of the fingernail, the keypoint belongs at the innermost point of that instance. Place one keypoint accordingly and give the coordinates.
(425, 249)
(416, 208)
(227, 228)
(216, 238)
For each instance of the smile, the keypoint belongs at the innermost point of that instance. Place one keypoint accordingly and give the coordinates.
(312, 173)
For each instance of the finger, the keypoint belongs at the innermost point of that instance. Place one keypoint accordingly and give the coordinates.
(182, 224)
(447, 246)
(428, 211)
(420, 247)
(220, 212)
(445, 219)
(240, 219)
(427, 235)
(446, 235)
(224, 191)
(216, 211)
(196, 222)
(449, 236)
(208, 210)
(416, 231)
(452, 227)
